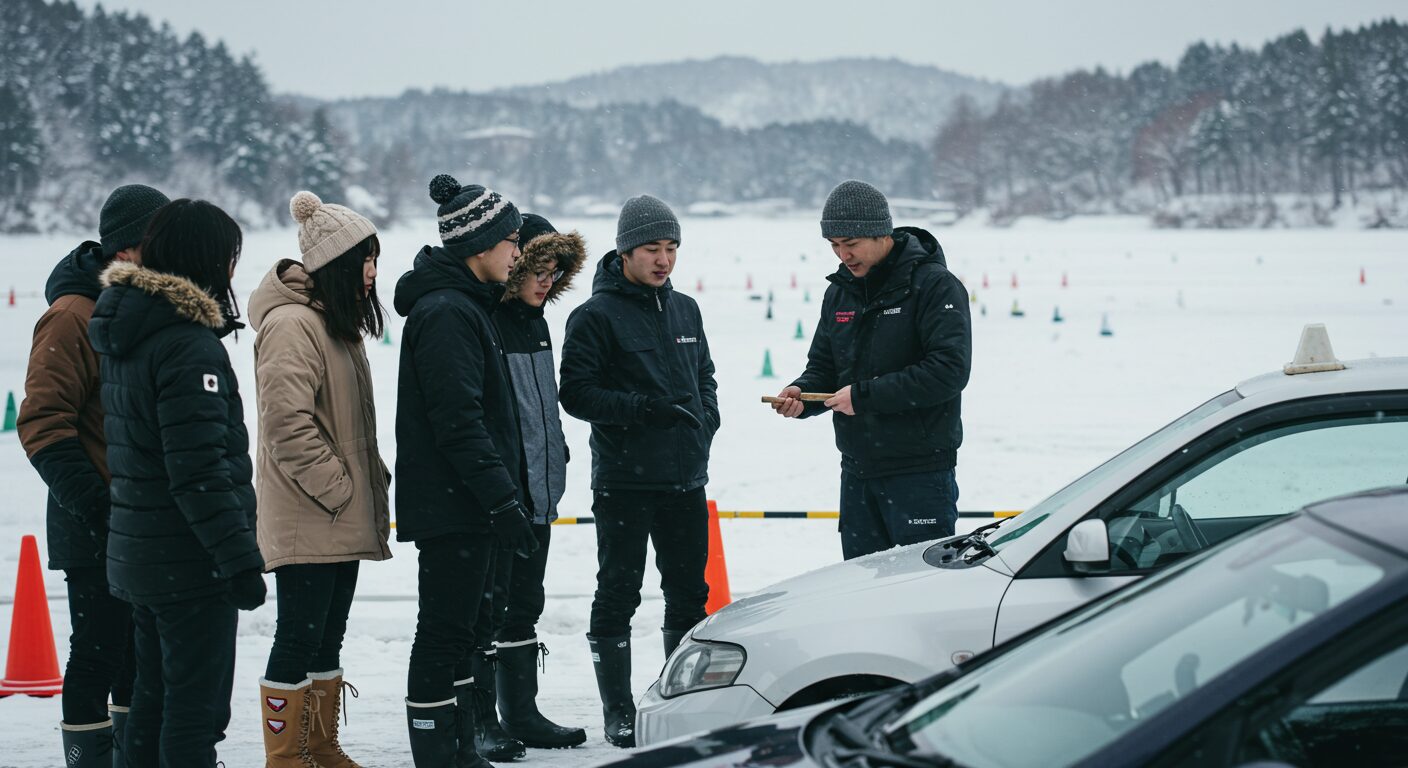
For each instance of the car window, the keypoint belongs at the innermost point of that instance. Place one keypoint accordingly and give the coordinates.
(1383, 679)
(1264, 474)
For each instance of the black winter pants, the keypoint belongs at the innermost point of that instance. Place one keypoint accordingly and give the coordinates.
(884, 512)
(99, 650)
(185, 672)
(314, 600)
(518, 591)
(677, 524)
(454, 575)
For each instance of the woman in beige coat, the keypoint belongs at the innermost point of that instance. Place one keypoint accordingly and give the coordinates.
(321, 483)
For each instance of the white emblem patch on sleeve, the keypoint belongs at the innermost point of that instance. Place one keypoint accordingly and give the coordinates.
(212, 384)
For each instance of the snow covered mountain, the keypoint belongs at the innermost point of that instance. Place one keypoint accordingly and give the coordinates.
(894, 99)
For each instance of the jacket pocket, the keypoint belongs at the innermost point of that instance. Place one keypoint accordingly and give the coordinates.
(637, 343)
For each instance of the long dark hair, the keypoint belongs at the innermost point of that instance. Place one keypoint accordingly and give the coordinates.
(196, 240)
(337, 288)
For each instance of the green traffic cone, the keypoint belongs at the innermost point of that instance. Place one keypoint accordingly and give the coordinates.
(9, 414)
(767, 364)
(386, 338)
(807, 296)
(769, 317)
(798, 334)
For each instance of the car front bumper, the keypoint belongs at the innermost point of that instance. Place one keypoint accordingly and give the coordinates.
(660, 719)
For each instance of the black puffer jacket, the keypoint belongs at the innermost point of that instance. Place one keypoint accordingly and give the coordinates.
(459, 453)
(625, 346)
(182, 504)
(901, 338)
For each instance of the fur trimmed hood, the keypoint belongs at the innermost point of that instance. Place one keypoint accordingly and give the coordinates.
(568, 249)
(190, 302)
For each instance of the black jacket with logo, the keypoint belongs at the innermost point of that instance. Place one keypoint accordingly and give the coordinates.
(902, 339)
(626, 345)
(182, 502)
(459, 453)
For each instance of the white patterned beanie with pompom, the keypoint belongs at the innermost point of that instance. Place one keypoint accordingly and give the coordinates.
(325, 230)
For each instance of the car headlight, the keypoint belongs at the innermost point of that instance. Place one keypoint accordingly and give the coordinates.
(698, 665)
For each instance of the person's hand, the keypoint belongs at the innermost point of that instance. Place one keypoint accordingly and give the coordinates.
(666, 412)
(509, 522)
(791, 405)
(841, 401)
(247, 590)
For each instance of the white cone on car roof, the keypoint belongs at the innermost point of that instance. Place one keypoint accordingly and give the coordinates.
(1314, 353)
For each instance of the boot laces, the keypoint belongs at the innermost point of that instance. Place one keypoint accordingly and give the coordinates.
(543, 657)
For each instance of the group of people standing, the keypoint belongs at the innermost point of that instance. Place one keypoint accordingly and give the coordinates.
(133, 418)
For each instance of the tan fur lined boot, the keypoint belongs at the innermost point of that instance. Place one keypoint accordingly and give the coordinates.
(326, 704)
(285, 722)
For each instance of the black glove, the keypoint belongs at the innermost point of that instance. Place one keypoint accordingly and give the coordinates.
(666, 412)
(247, 590)
(509, 521)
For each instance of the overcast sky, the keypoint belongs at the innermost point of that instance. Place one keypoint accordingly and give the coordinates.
(333, 48)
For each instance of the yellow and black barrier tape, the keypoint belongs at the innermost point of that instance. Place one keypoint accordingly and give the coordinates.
(741, 514)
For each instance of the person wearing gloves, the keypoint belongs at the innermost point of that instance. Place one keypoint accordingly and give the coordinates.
(459, 460)
(636, 365)
(894, 345)
(61, 428)
(322, 486)
(181, 543)
(543, 273)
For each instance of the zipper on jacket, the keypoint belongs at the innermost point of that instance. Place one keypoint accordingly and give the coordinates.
(658, 306)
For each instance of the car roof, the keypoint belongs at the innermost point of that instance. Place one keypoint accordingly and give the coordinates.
(1370, 374)
(1379, 515)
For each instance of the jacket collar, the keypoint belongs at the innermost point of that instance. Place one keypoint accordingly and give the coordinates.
(185, 297)
(611, 279)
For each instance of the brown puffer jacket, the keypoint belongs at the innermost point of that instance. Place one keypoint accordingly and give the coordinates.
(321, 483)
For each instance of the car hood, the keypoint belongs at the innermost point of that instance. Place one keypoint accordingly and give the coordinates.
(771, 742)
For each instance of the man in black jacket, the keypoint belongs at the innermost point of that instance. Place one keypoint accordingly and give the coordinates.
(636, 364)
(894, 345)
(460, 460)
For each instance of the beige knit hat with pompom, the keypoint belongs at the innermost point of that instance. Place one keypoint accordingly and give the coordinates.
(326, 231)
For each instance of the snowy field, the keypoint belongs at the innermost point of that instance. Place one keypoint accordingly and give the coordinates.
(1193, 312)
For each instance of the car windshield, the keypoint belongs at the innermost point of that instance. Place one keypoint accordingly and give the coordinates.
(1177, 430)
(1088, 679)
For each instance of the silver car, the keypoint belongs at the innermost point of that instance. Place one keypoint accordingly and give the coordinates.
(1274, 443)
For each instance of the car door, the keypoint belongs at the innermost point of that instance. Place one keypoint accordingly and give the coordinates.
(1267, 463)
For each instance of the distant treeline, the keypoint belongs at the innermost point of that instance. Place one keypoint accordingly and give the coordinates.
(1296, 117)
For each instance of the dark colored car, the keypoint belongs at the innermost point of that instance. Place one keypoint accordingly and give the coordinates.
(1285, 645)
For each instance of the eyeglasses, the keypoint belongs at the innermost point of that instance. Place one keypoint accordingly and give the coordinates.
(549, 277)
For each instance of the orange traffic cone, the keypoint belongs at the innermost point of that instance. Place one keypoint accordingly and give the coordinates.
(715, 570)
(33, 666)
(12, 296)
(1361, 282)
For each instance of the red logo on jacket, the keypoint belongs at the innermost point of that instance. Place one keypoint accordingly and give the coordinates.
(845, 317)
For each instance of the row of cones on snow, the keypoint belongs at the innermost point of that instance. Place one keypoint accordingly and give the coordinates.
(32, 664)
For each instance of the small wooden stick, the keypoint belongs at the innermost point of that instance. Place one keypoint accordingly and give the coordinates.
(806, 397)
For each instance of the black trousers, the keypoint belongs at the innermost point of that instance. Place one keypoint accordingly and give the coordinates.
(100, 660)
(185, 672)
(518, 591)
(454, 575)
(314, 600)
(677, 524)
(885, 512)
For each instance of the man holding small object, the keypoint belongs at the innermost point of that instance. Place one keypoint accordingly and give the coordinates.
(892, 350)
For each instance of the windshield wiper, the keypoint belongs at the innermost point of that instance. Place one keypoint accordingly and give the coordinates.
(978, 541)
(855, 748)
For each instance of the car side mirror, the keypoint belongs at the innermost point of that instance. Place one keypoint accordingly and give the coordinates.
(1087, 545)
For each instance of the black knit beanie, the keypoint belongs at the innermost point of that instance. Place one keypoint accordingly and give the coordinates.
(125, 216)
(533, 225)
(472, 219)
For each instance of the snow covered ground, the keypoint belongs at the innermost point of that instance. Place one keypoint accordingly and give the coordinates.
(1193, 312)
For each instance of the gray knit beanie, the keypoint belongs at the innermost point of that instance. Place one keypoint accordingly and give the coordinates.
(473, 219)
(125, 216)
(326, 231)
(645, 219)
(856, 209)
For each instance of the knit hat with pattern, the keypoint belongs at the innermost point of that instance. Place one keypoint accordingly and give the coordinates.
(472, 219)
(856, 209)
(125, 216)
(326, 231)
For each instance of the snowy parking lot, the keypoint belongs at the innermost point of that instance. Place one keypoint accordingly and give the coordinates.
(1191, 313)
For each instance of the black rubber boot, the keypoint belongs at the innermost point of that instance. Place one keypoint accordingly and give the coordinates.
(87, 746)
(672, 639)
(119, 726)
(518, 699)
(489, 736)
(432, 728)
(611, 658)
